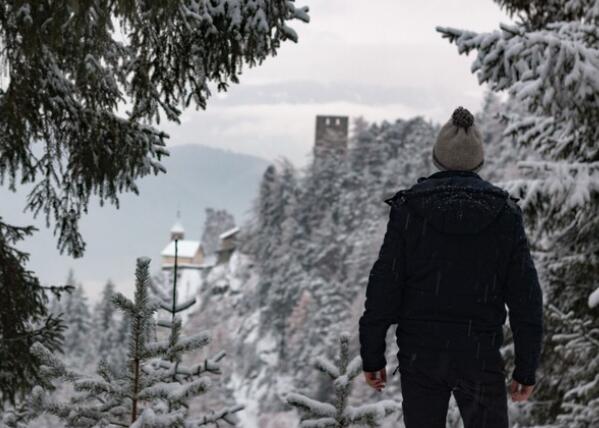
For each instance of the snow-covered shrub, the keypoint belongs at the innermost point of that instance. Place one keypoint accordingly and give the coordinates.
(338, 413)
(155, 390)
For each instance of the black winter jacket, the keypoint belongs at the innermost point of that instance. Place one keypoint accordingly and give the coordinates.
(454, 254)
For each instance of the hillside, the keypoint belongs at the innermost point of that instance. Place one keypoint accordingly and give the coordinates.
(300, 274)
(301, 270)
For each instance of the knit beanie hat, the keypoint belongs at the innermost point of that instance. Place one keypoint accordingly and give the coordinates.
(459, 144)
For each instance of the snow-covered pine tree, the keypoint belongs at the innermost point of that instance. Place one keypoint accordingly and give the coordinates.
(358, 186)
(164, 58)
(410, 141)
(24, 318)
(339, 413)
(281, 236)
(215, 223)
(14, 417)
(549, 62)
(502, 152)
(368, 154)
(491, 122)
(75, 311)
(274, 231)
(107, 326)
(312, 234)
(156, 388)
(256, 238)
(323, 252)
(167, 56)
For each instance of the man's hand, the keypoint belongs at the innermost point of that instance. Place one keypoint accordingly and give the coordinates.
(376, 382)
(520, 392)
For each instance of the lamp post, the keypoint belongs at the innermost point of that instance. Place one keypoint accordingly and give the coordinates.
(175, 280)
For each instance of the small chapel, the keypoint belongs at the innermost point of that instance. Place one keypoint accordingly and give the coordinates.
(189, 252)
(193, 264)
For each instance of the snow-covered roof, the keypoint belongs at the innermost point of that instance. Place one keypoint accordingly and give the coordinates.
(185, 248)
(177, 227)
(228, 233)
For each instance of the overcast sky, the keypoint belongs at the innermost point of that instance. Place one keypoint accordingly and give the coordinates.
(380, 59)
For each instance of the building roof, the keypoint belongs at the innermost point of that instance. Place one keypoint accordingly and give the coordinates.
(185, 248)
(177, 227)
(229, 232)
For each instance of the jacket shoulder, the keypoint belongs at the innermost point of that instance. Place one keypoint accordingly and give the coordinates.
(512, 203)
(397, 199)
(514, 216)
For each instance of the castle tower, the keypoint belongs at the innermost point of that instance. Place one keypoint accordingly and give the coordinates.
(331, 132)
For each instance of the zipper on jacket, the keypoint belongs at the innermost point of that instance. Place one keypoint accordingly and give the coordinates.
(395, 371)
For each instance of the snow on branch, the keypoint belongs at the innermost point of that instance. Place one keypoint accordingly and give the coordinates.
(165, 60)
(370, 414)
(315, 407)
(227, 415)
(327, 366)
(156, 388)
(571, 185)
(594, 299)
(552, 71)
(319, 414)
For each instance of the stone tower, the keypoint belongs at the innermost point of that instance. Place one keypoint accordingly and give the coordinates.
(331, 131)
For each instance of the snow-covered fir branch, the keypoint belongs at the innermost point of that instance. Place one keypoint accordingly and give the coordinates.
(548, 62)
(154, 391)
(339, 413)
(81, 72)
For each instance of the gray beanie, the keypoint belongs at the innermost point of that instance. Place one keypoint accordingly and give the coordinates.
(459, 144)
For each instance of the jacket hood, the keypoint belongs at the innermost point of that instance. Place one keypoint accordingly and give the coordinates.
(455, 202)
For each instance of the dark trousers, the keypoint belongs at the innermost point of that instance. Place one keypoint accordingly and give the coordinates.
(427, 382)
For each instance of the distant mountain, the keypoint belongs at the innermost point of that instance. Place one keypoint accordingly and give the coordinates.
(197, 177)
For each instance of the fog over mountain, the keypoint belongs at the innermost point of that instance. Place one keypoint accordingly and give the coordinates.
(197, 177)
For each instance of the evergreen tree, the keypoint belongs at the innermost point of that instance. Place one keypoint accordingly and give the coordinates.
(24, 318)
(339, 414)
(549, 62)
(492, 125)
(156, 388)
(322, 252)
(256, 239)
(321, 187)
(357, 182)
(364, 167)
(110, 340)
(60, 125)
(411, 140)
(312, 236)
(368, 154)
(215, 223)
(275, 223)
(75, 312)
(283, 230)
(69, 72)
(502, 152)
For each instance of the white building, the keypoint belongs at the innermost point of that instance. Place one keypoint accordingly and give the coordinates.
(192, 265)
(191, 261)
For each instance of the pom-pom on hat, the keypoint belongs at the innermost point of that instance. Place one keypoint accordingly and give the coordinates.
(459, 143)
